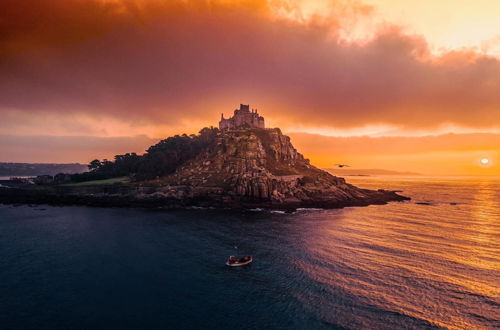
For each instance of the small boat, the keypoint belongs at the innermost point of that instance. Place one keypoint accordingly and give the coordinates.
(233, 261)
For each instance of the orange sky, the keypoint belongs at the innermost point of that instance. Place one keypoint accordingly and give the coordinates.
(357, 76)
(445, 24)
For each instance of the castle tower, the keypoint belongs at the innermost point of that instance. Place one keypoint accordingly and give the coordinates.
(242, 117)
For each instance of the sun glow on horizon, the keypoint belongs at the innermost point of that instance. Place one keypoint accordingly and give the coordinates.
(485, 161)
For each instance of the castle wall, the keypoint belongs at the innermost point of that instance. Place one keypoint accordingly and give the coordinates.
(225, 124)
(242, 117)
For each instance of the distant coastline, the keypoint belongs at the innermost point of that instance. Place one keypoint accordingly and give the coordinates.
(10, 177)
(8, 169)
(368, 172)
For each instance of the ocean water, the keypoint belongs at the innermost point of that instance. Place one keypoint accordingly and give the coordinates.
(433, 262)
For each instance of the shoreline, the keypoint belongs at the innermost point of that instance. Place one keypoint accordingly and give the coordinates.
(59, 198)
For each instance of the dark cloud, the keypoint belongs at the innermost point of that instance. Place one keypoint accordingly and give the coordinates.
(162, 61)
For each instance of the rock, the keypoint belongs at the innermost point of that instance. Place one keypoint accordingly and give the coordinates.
(255, 165)
(243, 168)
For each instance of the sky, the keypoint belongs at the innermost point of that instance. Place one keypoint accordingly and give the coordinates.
(400, 85)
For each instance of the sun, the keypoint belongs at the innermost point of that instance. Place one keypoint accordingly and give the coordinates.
(485, 161)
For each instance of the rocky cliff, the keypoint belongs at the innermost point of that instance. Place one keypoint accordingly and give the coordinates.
(260, 167)
(244, 168)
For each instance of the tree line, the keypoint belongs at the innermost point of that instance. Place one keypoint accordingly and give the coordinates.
(159, 160)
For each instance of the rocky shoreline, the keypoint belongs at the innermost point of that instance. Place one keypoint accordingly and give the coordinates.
(56, 198)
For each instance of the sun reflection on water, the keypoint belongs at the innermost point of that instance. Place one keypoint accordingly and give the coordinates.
(434, 263)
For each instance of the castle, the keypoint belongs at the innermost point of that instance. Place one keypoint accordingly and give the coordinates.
(242, 117)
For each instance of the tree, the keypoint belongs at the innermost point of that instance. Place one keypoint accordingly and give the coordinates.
(95, 164)
(159, 160)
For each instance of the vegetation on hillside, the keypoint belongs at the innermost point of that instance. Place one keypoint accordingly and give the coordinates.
(159, 160)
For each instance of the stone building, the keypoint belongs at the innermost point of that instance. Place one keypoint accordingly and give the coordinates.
(243, 117)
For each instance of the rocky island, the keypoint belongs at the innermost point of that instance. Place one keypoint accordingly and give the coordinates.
(241, 164)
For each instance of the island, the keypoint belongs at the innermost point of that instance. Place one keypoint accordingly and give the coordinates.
(239, 165)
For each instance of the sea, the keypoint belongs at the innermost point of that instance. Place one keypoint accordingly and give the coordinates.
(429, 263)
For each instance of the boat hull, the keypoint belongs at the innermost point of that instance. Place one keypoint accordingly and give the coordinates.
(239, 263)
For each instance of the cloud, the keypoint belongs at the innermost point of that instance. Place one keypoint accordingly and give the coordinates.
(163, 62)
